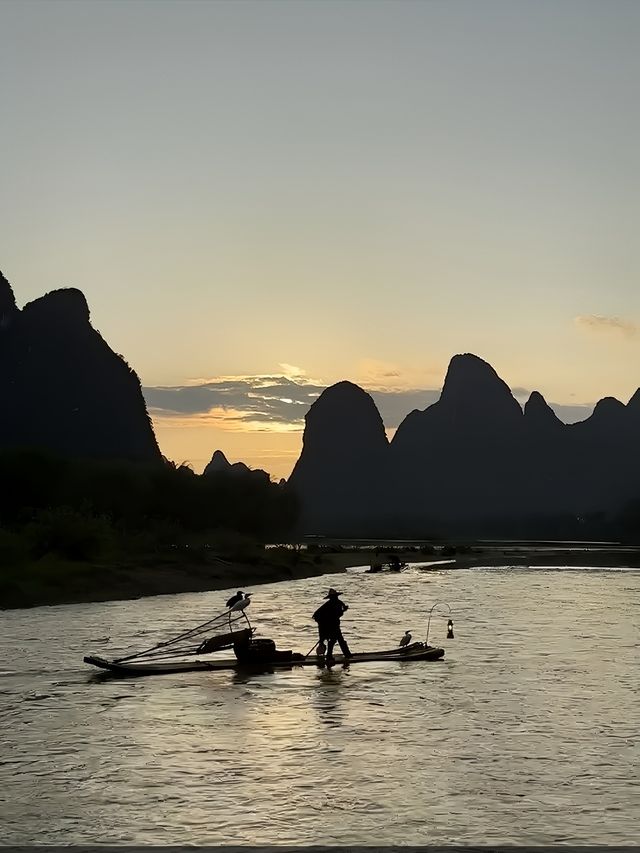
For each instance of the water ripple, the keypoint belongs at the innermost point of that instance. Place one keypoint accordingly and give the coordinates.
(526, 733)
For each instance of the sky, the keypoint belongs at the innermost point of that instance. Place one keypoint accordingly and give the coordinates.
(283, 195)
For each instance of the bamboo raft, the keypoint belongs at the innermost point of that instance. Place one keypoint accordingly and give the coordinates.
(415, 652)
(187, 652)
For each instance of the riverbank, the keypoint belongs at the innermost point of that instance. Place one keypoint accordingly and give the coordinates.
(55, 582)
(548, 555)
(467, 556)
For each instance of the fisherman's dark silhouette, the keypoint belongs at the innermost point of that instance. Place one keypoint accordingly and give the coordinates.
(328, 617)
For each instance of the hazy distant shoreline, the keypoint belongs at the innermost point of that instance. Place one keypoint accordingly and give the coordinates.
(539, 557)
(85, 583)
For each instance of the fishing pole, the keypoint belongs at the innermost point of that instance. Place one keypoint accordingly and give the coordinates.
(315, 646)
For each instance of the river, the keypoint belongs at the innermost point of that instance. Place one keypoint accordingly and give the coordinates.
(527, 732)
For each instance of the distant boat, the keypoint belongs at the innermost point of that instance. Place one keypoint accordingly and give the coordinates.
(393, 566)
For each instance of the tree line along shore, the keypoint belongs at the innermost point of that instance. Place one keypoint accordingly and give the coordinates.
(75, 531)
(56, 581)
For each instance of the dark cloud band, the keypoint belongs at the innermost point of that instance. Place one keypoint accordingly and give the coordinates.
(280, 400)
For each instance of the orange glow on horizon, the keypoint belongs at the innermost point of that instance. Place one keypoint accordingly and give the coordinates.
(194, 439)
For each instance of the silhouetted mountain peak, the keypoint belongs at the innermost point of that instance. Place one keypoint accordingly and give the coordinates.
(339, 395)
(219, 462)
(471, 383)
(607, 418)
(471, 461)
(538, 412)
(220, 465)
(634, 402)
(64, 388)
(344, 449)
(66, 306)
(468, 371)
(344, 412)
(608, 408)
(341, 392)
(7, 301)
(536, 402)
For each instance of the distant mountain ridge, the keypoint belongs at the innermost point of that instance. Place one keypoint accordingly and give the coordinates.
(471, 459)
(63, 388)
(219, 464)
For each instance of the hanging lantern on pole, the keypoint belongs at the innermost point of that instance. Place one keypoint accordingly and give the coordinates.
(450, 624)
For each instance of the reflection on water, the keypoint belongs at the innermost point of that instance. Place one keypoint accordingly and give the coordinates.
(525, 733)
(328, 696)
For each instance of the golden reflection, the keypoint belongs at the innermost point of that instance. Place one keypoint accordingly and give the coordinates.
(328, 694)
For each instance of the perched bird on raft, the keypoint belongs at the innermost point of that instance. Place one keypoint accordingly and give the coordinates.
(239, 601)
(405, 640)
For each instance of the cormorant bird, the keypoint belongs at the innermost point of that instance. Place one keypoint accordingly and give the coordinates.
(235, 599)
(242, 602)
(405, 640)
(239, 596)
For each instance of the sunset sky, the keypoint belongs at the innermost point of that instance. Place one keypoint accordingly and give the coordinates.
(262, 198)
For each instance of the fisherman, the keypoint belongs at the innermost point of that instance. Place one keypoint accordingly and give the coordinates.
(328, 618)
(235, 599)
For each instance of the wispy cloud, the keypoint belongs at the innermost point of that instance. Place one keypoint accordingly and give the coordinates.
(228, 420)
(246, 402)
(291, 371)
(607, 325)
(276, 402)
(279, 402)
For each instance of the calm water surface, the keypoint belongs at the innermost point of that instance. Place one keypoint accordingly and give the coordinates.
(527, 732)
